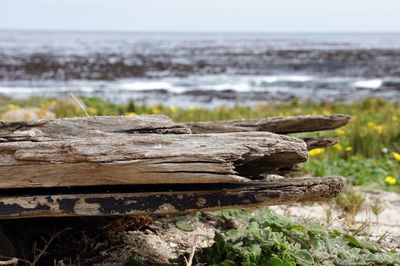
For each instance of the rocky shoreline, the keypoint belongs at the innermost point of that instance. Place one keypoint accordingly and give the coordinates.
(368, 63)
(203, 69)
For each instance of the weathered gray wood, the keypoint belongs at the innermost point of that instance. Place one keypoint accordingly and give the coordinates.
(117, 158)
(281, 125)
(255, 194)
(60, 129)
(313, 143)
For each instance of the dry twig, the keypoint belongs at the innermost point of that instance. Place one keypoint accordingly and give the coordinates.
(46, 246)
(79, 104)
(12, 261)
(192, 251)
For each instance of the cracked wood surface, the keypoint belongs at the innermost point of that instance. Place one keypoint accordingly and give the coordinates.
(281, 125)
(87, 127)
(257, 193)
(43, 159)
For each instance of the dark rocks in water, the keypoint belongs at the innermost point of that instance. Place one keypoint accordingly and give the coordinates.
(194, 68)
(393, 85)
(111, 66)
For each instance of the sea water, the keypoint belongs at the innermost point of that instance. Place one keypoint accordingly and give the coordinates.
(189, 69)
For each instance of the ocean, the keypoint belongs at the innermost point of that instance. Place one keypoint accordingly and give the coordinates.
(200, 69)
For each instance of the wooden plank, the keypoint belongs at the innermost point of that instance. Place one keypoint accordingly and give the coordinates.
(66, 128)
(265, 193)
(115, 158)
(313, 143)
(281, 125)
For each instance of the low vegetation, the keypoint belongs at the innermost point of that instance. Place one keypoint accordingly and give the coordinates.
(266, 238)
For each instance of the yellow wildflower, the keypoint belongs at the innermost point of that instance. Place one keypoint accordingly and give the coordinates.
(396, 156)
(348, 148)
(390, 180)
(341, 132)
(371, 124)
(48, 104)
(326, 112)
(12, 106)
(92, 111)
(130, 114)
(316, 151)
(394, 118)
(338, 146)
(173, 109)
(155, 110)
(379, 128)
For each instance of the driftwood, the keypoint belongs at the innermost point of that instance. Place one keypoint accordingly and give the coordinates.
(149, 164)
(66, 128)
(67, 152)
(276, 192)
(313, 143)
(281, 125)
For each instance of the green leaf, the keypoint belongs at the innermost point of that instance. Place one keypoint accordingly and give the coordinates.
(133, 260)
(186, 223)
(275, 261)
(303, 257)
(353, 241)
(228, 263)
(219, 241)
(255, 249)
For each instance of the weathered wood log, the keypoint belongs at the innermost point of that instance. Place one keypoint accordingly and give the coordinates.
(282, 191)
(66, 128)
(42, 159)
(313, 143)
(281, 125)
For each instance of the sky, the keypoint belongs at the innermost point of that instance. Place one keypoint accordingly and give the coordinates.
(202, 15)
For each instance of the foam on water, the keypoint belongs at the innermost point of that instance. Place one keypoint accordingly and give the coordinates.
(208, 90)
(369, 84)
(282, 78)
(144, 85)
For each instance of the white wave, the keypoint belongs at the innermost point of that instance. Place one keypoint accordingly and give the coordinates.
(368, 84)
(148, 85)
(144, 85)
(18, 90)
(242, 83)
(239, 86)
(282, 78)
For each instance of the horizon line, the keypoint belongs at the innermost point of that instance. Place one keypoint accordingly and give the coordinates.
(191, 32)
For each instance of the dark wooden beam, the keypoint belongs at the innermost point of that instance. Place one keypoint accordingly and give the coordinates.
(258, 193)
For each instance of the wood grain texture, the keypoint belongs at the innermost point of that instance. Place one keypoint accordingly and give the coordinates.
(66, 128)
(313, 143)
(261, 193)
(85, 127)
(281, 125)
(119, 158)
